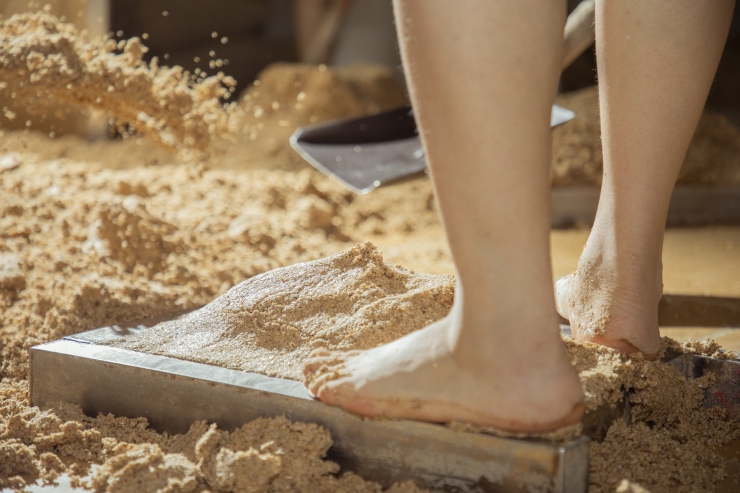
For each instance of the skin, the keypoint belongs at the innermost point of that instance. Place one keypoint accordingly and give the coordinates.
(656, 62)
(483, 105)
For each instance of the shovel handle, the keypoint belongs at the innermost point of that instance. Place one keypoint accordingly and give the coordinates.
(579, 32)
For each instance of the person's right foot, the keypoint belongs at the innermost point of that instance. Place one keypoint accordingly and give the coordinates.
(613, 303)
(520, 384)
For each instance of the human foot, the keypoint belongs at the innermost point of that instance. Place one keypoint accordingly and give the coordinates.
(517, 386)
(613, 303)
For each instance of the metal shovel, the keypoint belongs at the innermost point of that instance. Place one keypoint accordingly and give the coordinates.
(363, 153)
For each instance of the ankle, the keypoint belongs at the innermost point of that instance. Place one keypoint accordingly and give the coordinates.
(612, 298)
(505, 339)
(625, 273)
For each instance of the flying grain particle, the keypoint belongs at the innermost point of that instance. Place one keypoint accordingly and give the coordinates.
(226, 61)
(214, 35)
(28, 123)
(52, 134)
(322, 68)
(219, 63)
(212, 64)
(119, 33)
(165, 13)
(166, 56)
(224, 40)
(212, 53)
(145, 36)
(196, 59)
(47, 8)
(48, 56)
(275, 106)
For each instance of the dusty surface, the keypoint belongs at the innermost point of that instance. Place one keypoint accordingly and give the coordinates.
(672, 444)
(269, 323)
(93, 233)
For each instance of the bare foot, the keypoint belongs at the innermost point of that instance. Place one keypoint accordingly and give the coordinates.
(612, 304)
(434, 374)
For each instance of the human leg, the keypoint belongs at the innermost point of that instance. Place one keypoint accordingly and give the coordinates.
(483, 76)
(656, 62)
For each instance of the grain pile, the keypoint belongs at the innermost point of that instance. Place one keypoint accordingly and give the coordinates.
(96, 233)
(271, 322)
(45, 61)
(672, 444)
(273, 455)
(82, 247)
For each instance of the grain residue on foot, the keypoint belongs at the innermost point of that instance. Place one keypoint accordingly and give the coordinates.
(585, 300)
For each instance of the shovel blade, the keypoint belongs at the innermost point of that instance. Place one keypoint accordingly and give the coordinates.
(364, 153)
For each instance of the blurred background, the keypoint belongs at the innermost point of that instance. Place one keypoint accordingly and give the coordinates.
(248, 35)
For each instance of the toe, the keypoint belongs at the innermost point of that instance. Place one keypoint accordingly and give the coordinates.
(319, 364)
(312, 365)
(319, 386)
(562, 292)
(319, 352)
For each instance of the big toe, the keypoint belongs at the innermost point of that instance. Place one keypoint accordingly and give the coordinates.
(316, 364)
(319, 352)
(317, 381)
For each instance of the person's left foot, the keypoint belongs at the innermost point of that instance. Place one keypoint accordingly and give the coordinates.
(611, 304)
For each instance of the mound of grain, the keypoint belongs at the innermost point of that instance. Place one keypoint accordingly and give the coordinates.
(269, 323)
(673, 443)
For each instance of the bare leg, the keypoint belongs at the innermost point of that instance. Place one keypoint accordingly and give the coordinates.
(656, 62)
(483, 76)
